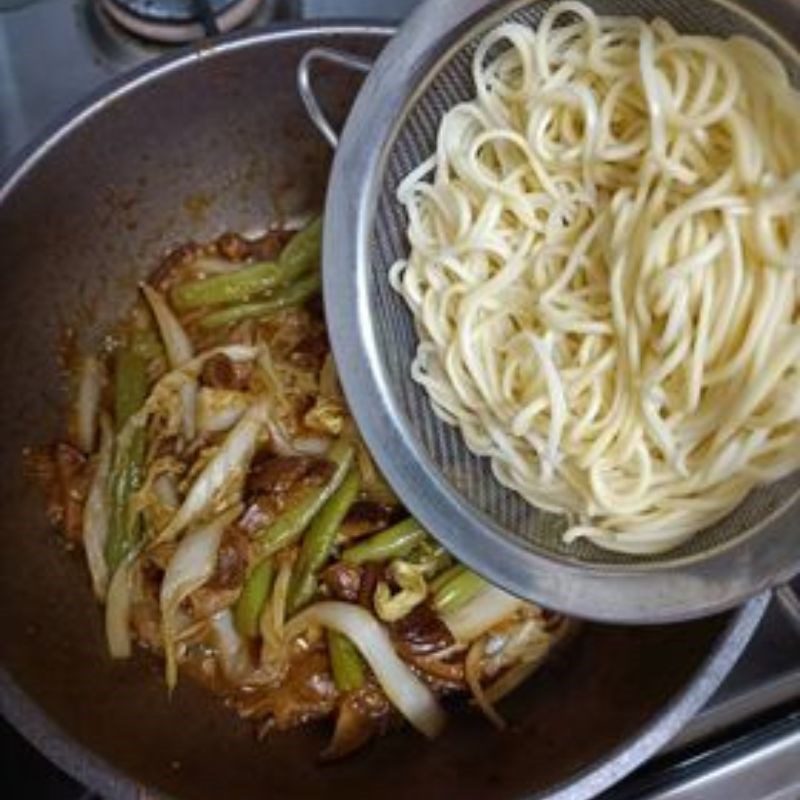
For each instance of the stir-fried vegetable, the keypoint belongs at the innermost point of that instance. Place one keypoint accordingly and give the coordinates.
(176, 342)
(232, 650)
(179, 351)
(292, 295)
(396, 542)
(318, 542)
(253, 597)
(413, 590)
(118, 609)
(302, 253)
(456, 588)
(232, 518)
(229, 287)
(220, 409)
(405, 690)
(130, 389)
(190, 567)
(299, 256)
(87, 406)
(96, 512)
(130, 384)
(287, 529)
(346, 663)
(488, 607)
(228, 466)
(124, 530)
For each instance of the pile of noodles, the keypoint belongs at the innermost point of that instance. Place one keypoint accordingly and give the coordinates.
(605, 272)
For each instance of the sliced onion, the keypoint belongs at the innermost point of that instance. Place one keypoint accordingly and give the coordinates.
(118, 609)
(96, 512)
(220, 409)
(192, 564)
(411, 697)
(179, 352)
(311, 445)
(230, 462)
(90, 386)
(472, 674)
(484, 611)
(176, 342)
(516, 675)
(232, 650)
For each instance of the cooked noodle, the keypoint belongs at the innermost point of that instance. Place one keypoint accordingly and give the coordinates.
(604, 272)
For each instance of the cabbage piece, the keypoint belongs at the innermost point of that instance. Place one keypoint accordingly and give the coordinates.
(413, 590)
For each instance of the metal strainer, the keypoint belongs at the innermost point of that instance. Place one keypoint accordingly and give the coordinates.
(423, 72)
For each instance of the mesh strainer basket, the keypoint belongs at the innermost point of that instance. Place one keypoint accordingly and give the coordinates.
(423, 72)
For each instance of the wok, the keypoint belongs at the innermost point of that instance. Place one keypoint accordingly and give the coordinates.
(212, 140)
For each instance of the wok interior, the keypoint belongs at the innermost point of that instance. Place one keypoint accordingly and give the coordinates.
(221, 144)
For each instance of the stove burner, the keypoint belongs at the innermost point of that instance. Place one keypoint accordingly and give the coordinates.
(177, 21)
(172, 10)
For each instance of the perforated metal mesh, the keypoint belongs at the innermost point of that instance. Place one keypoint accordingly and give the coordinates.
(449, 83)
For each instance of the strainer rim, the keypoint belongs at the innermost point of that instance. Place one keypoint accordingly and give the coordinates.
(691, 586)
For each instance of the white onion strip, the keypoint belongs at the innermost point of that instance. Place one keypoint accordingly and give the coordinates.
(118, 608)
(96, 512)
(87, 406)
(179, 352)
(192, 564)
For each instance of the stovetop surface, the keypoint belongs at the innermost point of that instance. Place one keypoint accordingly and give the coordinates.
(750, 730)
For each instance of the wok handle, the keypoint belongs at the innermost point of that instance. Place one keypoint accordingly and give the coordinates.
(306, 91)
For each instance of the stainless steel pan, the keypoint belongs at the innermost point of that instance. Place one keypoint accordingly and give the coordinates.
(212, 140)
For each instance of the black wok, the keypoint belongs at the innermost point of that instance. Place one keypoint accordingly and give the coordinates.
(210, 141)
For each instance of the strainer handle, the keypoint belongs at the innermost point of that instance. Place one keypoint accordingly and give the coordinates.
(306, 91)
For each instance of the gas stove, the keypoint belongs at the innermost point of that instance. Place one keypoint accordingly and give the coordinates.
(745, 745)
